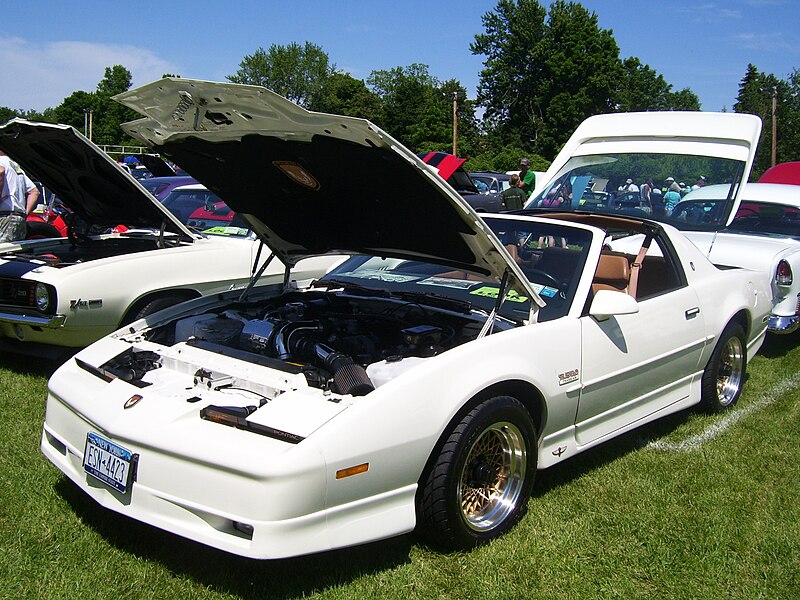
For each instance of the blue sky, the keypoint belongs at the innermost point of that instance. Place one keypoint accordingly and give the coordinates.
(51, 48)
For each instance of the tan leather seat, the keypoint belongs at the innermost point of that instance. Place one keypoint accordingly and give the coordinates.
(613, 273)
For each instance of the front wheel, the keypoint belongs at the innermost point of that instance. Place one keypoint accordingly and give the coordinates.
(479, 484)
(724, 374)
(152, 306)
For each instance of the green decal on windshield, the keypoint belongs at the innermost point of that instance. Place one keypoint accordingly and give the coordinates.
(491, 292)
(226, 230)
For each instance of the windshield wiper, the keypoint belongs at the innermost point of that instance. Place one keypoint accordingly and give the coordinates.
(435, 300)
(348, 286)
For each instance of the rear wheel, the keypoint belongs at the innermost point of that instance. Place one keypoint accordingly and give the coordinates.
(724, 374)
(479, 485)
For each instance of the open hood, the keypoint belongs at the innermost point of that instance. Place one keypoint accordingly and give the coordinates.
(84, 177)
(313, 183)
(156, 165)
(610, 159)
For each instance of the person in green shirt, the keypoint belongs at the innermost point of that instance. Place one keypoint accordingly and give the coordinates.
(514, 197)
(527, 176)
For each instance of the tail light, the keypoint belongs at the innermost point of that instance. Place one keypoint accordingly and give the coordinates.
(783, 274)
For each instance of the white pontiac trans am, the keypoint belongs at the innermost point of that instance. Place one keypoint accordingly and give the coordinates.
(419, 384)
(60, 294)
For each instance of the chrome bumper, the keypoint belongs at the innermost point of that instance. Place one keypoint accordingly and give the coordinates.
(51, 322)
(783, 325)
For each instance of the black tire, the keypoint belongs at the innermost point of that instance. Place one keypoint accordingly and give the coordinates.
(724, 374)
(478, 486)
(36, 230)
(155, 305)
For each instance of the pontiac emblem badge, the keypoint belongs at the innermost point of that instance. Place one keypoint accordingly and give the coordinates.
(132, 401)
(298, 174)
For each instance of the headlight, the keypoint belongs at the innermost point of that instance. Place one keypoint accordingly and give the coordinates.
(42, 297)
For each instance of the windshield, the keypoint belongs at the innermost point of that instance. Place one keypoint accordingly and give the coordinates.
(767, 218)
(643, 185)
(203, 210)
(552, 256)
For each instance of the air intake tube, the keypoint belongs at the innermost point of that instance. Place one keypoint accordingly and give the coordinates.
(348, 377)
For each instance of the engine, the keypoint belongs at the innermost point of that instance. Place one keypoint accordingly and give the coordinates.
(335, 339)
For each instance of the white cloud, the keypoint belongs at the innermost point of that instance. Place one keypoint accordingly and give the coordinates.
(43, 74)
(709, 13)
(764, 41)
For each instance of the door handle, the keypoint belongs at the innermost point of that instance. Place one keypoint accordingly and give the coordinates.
(692, 313)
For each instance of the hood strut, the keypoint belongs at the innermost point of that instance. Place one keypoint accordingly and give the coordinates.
(258, 274)
(488, 327)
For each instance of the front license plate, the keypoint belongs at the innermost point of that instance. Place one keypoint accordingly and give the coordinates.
(108, 462)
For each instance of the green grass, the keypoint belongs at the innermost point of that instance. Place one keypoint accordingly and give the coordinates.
(626, 520)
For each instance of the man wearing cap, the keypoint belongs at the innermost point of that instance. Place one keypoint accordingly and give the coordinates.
(701, 181)
(527, 176)
(18, 197)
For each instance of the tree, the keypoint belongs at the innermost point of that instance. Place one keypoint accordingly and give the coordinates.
(547, 71)
(755, 97)
(72, 109)
(418, 109)
(345, 95)
(643, 89)
(296, 72)
(510, 82)
(542, 77)
(107, 114)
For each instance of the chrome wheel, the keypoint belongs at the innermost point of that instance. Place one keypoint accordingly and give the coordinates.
(731, 371)
(491, 480)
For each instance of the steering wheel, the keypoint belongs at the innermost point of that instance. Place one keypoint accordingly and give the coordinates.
(544, 275)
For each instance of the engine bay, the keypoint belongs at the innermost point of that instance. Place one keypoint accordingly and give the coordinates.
(63, 252)
(339, 341)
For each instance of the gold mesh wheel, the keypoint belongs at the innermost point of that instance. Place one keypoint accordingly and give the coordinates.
(492, 478)
(730, 372)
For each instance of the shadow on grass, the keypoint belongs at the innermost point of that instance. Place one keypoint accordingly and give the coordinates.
(607, 452)
(30, 365)
(230, 574)
(778, 346)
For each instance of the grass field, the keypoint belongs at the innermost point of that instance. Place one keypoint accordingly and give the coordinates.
(694, 506)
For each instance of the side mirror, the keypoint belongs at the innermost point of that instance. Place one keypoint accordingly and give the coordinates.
(607, 303)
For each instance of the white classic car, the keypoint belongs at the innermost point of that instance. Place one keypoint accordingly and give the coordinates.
(764, 235)
(64, 293)
(756, 235)
(421, 383)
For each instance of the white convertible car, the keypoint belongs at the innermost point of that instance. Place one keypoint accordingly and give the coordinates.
(64, 293)
(764, 235)
(421, 383)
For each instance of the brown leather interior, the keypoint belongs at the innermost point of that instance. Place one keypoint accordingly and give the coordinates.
(613, 273)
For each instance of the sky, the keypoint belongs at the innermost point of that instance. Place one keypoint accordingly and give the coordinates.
(52, 48)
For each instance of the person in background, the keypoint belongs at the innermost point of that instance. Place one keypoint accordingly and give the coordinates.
(527, 176)
(672, 197)
(18, 197)
(514, 198)
(701, 181)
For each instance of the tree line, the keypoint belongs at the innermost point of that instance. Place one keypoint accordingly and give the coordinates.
(545, 70)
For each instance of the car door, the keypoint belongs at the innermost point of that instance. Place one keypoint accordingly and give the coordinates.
(637, 364)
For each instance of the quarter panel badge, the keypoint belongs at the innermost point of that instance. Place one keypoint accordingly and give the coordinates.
(132, 401)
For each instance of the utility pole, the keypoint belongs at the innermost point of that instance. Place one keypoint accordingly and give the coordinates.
(774, 124)
(455, 123)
